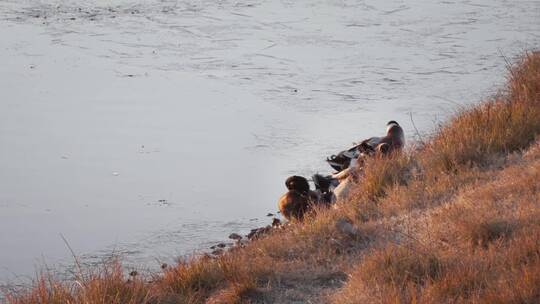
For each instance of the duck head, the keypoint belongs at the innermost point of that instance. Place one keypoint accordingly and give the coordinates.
(297, 183)
(395, 133)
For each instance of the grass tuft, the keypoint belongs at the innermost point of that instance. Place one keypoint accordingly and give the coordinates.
(509, 122)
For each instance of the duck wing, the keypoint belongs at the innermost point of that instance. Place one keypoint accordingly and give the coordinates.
(338, 162)
(368, 146)
(342, 160)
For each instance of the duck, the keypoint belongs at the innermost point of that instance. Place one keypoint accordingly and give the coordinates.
(394, 140)
(345, 162)
(298, 199)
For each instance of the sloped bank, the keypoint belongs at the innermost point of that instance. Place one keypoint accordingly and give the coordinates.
(456, 219)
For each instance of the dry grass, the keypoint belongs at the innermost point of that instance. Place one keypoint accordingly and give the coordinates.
(454, 221)
(105, 285)
(471, 211)
(509, 122)
(481, 247)
(380, 174)
(477, 139)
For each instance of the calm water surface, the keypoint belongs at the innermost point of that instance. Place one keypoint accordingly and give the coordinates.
(153, 129)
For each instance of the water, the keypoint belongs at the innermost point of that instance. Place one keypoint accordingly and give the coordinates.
(153, 129)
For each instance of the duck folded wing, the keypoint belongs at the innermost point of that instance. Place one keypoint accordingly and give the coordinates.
(369, 145)
(338, 162)
(342, 160)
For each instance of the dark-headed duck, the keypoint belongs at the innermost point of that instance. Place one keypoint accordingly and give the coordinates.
(296, 202)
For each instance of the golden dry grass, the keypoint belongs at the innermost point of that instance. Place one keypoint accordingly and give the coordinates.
(456, 220)
(483, 246)
(104, 285)
(507, 123)
(466, 222)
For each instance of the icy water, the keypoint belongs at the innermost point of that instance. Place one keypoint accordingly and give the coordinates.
(153, 129)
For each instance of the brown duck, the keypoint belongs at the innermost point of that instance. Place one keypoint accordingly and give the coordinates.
(297, 201)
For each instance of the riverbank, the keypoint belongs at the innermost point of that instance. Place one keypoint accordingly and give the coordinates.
(455, 219)
(112, 111)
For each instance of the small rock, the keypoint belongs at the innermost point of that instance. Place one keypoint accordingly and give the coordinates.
(133, 273)
(213, 247)
(164, 266)
(221, 245)
(270, 214)
(235, 236)
(276, 222)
